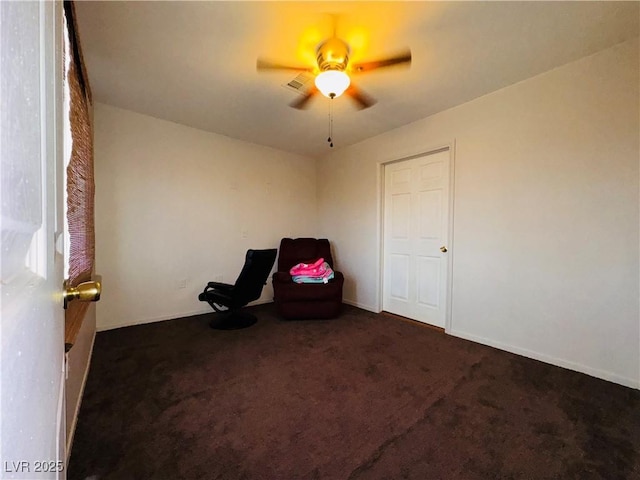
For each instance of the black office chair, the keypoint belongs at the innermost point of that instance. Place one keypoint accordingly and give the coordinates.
(228, 299)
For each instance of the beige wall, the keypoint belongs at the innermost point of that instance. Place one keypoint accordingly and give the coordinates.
(172, 205)
(545, 247)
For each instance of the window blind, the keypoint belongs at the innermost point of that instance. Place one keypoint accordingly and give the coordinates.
(80, 178)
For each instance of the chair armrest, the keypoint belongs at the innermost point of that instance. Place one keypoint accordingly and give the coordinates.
(216, 296)
(219, 285)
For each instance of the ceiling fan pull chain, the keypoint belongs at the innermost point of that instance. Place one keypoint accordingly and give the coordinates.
(330, 123)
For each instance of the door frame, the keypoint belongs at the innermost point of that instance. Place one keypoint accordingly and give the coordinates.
(444, 146)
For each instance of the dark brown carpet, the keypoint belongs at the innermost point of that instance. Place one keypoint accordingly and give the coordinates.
(365, 396)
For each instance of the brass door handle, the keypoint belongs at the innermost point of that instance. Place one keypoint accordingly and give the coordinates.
(85, 292)
(443, 249)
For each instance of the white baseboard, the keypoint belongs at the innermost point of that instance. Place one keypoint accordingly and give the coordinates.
(76, 411)
(162, 318)
(594, 372)
(171, 316)
(360, 305)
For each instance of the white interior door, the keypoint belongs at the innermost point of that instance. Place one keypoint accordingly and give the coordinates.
(32, 327)
(416, 231)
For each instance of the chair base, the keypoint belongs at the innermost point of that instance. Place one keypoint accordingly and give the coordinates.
(232, 321)
(307, 310)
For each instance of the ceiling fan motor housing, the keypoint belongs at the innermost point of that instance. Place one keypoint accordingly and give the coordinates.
(333, 54)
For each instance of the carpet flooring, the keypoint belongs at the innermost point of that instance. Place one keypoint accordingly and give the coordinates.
(362, 397)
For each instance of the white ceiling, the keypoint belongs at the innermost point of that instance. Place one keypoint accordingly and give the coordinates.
(195, 62)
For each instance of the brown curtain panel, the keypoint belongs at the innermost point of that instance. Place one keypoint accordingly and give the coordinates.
(80, 181)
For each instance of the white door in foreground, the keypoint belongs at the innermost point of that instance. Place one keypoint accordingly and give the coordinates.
(32, 325)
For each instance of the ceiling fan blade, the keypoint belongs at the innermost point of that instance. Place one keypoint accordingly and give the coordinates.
(399, 59)
(268, 65)
(362, 99)
(303, 102)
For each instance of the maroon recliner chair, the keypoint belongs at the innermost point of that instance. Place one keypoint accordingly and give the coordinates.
(306, 300)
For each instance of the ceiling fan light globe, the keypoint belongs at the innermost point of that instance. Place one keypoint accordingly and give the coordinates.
(332, 83)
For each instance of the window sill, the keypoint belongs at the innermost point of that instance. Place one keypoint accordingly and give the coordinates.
(74, 315)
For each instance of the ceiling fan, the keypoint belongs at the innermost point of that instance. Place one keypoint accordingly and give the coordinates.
(332, 72)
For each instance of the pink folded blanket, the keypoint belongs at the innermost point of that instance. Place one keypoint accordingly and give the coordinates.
(316, 272)
(315, 269)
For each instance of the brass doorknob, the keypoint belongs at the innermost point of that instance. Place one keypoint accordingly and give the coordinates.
(443, 249)
(85, 292)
